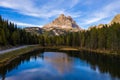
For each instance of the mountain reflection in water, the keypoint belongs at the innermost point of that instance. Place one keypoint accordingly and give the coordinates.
(47, 64)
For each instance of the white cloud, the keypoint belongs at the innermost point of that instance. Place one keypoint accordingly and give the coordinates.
(93, 19)
(46, 10)
(53, 8)
(105, 12)
(74, 2)
(26, 24)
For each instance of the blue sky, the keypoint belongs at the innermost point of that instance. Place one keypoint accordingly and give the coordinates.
(40, 12)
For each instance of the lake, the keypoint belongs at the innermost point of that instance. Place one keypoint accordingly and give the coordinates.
(47, 64)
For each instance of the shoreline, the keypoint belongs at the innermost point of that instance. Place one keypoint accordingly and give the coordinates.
(99, 51)
(12, 49)
(10, 56)
(6, 58)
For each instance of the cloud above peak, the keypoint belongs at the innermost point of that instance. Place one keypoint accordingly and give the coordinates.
(43, 10)
(90, 12)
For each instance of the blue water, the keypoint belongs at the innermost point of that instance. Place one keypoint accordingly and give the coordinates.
(55, 66)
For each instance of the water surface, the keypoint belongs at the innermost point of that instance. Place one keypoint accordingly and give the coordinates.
(59, 65)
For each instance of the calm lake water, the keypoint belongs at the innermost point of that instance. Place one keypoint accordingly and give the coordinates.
(48, 64)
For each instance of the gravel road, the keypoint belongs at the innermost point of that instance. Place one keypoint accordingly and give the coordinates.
(12, 49)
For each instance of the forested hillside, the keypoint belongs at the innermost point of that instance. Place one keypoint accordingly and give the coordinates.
(105, 38)
(11, 35)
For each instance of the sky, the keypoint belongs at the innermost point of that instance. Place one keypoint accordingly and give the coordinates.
(86, 13)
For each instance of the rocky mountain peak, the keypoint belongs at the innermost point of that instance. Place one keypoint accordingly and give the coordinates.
(116, 19)
(63, 22)
(62, 16)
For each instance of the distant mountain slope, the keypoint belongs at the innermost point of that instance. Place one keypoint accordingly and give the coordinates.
(34, 30)
(116, 19)
(63, 25)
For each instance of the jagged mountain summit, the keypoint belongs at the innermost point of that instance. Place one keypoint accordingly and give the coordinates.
(62, 22)
(61, 25)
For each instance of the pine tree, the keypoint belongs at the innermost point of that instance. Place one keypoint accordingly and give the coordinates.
(2, 37)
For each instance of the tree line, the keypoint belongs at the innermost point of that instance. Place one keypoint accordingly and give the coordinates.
(10, 34)
(105, 38)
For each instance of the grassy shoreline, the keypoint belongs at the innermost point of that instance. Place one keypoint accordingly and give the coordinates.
(68, 48)
(100, 51)
(9, 56)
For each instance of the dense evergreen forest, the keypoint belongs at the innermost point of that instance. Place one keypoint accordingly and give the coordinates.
(106, 38)
(11, 35)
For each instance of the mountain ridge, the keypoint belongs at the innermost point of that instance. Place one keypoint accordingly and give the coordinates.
(62, 22)
(116, 19)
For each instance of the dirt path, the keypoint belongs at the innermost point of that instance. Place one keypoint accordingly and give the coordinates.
(12, 49)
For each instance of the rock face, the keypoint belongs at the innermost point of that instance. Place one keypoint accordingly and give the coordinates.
(97, 27)
(34, 30)
(100, 25)
(62, 22)
(60, 25)
(116, 19)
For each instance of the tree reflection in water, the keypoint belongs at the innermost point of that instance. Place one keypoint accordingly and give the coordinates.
(18, 61)
(104, 63)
